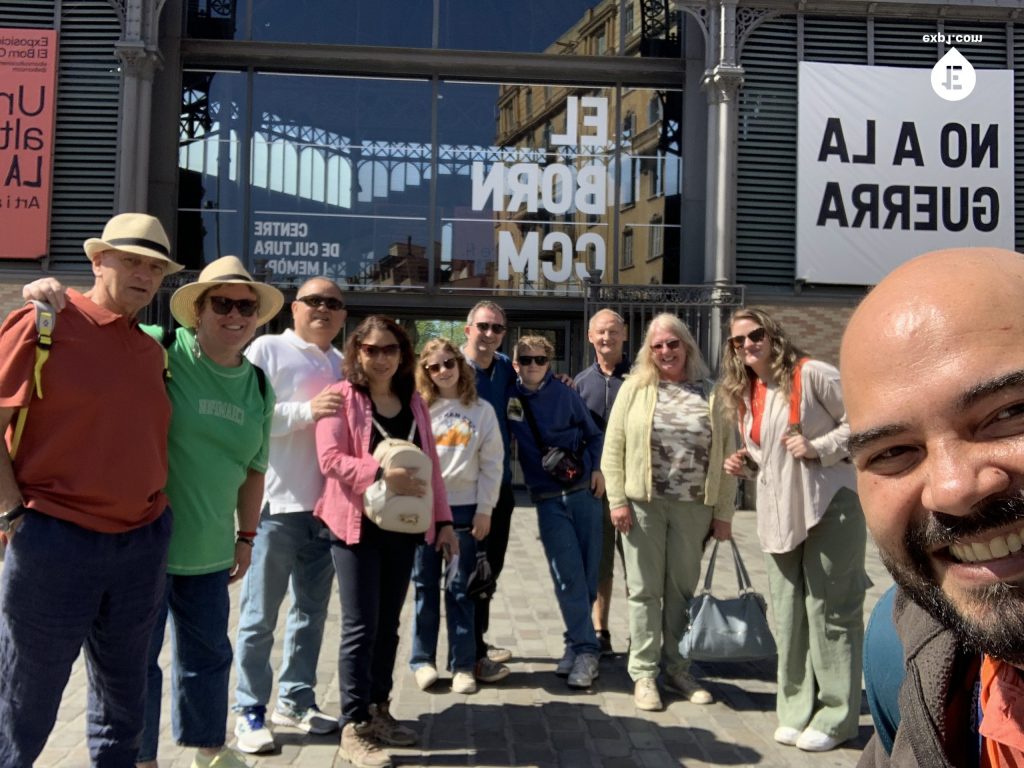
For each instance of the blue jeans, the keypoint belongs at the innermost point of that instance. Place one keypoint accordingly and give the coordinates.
(291, 545)
(64, 587)
(570, 530)
(459, 607)
(373, 580)
(200, 663)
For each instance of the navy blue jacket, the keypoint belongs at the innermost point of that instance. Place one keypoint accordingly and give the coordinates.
(494, 385)
(598, 391)
(564, 422)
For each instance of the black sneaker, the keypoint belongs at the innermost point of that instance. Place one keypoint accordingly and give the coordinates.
(604, 637)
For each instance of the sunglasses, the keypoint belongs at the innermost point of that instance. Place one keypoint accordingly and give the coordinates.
(448, 364)
(756, 336)
(329, 302)
(372, 350)
(222, 305)
(496, 328)
(533, 359)
(673, 344)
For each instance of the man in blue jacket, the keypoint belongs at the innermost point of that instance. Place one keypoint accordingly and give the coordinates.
(598, 385)
(545, 418)
(485, 331)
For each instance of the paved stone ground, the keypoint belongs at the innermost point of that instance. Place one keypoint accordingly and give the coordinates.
(532, 718)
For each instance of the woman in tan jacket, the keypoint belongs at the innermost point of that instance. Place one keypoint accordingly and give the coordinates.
(809, 523)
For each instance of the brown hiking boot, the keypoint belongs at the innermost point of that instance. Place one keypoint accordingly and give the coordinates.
(387, 730)
(360, 748)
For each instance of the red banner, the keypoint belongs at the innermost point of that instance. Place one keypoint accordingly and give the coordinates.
(28, 90)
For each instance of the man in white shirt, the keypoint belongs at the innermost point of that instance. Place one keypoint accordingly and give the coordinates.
(290, 544)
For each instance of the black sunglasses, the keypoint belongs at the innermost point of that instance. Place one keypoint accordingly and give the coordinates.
(670, 344)
(436, 367)
(756, 336)
(315, 301)
(222, 305)
(497, 328)
(372, 350)
(531, 359)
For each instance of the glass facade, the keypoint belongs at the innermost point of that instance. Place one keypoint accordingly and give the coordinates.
(529, 26)
(339, 176)
(427, 182)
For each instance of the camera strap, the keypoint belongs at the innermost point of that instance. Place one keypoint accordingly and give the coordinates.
(532, 421)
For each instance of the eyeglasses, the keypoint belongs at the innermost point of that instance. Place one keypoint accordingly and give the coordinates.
(671, 344)
(496, 328)
(372, 350)
(222, 305)
(533, 359)
(448, 364)
(756, 336)
(315, 301)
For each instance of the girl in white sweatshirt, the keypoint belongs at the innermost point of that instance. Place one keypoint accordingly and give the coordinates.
(471, 453)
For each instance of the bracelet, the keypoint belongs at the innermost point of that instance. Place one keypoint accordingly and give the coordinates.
(245, 540)
(246, 534)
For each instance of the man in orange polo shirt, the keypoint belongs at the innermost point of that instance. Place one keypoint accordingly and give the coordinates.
(932, 367)
(81, 506)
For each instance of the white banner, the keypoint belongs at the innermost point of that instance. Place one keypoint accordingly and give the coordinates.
(888, 169)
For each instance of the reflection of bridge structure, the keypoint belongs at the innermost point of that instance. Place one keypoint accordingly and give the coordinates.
(210, 127)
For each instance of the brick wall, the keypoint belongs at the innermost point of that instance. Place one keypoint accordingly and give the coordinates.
(10, 289)
(817, 329)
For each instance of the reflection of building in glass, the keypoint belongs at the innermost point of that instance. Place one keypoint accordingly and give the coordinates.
(404, 265)
(640, 160)
(212, 18)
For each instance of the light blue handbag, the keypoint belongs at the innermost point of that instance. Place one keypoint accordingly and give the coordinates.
(728, 629)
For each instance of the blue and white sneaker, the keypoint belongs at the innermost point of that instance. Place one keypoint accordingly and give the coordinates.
(251, 731)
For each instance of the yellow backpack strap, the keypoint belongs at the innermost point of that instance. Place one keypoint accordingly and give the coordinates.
(46, 321)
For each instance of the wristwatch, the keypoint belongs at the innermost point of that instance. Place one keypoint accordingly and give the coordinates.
(8, 519)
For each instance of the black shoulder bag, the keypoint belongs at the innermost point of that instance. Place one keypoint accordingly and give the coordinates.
(563, 465)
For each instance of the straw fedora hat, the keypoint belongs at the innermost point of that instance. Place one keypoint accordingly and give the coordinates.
(137, 233)
(227, 270)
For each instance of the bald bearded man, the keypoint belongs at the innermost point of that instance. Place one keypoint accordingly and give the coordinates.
(932, 366)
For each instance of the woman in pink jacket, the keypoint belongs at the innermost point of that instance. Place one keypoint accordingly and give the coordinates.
(373, 565)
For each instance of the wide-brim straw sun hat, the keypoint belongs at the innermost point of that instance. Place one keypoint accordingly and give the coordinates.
(137, 233)
(227, 270)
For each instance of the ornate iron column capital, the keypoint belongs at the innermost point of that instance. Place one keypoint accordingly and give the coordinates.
(138, 60)
(722, 83)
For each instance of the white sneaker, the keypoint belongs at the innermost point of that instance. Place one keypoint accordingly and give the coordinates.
(584, 671)
(310, 719)
(463, 682)
(786, 735)
(646, 696)
(426, 676)
(565, 664)
(813, 740)
(252, 733)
